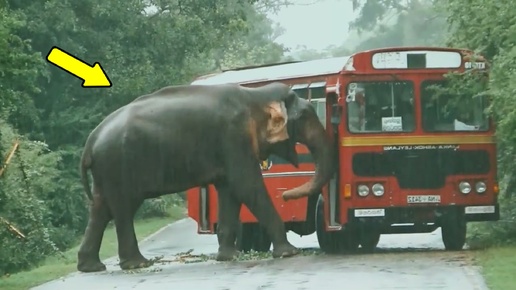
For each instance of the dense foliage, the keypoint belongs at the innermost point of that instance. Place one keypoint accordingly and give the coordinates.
(143, 46)
(490, 29)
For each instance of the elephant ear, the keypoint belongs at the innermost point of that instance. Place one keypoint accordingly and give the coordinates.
(287, 148)
(277, 122)
(284, 105)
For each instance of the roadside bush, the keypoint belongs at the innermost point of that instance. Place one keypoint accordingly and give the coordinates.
(66, 201)
(159, 207)
(487, 234)
(23, 187)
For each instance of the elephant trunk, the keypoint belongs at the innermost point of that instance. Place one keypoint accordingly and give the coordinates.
(318, 142)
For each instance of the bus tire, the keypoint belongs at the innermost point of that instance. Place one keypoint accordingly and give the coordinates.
(369, 239)
(453, 231)
(262, 241)
(245, 238)
(349, 240)
(329, 242)
(252, 237)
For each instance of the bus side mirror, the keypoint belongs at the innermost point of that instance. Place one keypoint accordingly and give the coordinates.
(335, 114)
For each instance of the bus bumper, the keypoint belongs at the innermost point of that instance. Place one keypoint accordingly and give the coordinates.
(422, 214)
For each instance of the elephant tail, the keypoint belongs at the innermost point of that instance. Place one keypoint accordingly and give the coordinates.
(85, 165)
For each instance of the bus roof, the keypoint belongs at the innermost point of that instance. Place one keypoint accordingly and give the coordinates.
(369, 61)
(276, 72)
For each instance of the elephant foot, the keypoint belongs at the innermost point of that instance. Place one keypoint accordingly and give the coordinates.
(136, 263)
(89, 267)
(285, 250)
(226, 255)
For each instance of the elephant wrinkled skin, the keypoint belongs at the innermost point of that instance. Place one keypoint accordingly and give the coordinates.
(181, 137)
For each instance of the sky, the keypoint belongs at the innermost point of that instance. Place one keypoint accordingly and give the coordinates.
(315, 24)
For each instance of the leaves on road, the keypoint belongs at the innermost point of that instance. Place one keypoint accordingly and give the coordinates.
(189, 258)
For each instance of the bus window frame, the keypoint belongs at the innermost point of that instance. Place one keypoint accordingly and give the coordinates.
(422, 103)
(318, 101)
(306, 91)
(346, 109)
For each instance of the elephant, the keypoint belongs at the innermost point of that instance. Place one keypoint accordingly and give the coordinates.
(184, 136)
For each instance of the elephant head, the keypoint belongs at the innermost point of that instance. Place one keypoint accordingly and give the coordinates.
(293, 120)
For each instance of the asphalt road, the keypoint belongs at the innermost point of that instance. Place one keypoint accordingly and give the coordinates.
(413, 262)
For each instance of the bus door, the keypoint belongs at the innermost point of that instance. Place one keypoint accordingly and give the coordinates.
(318, 97)
(318, 101)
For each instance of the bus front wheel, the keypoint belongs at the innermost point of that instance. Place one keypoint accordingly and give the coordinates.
(332, 242)
(453, 231)
(262, 242)
(369, 239)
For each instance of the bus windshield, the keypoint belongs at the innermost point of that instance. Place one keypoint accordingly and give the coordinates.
(446, 113)
(386, 106)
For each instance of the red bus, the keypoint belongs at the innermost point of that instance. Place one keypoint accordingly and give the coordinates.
(410, 161)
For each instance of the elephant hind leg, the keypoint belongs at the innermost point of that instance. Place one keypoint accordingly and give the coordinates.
(128, 250)
(88, 255)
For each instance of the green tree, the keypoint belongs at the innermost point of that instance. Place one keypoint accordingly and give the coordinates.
(417, 23)
(20, 68)
(24, 188)
(399, 23)
(33, 172)
(253, 45)
(490, 29)
(387, 23)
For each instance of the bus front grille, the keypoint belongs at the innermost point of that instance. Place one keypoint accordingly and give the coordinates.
(420, 168)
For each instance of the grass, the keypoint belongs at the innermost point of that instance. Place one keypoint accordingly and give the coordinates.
(58, 266)
(498, 267)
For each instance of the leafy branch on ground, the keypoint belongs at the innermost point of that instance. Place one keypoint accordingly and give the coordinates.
(189, 258)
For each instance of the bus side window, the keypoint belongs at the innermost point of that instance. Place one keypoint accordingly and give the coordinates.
(318, 100)
(320, 109)
(317, 96)
(301, 90)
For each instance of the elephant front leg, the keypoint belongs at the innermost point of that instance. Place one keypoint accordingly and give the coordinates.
(260, 204)
(228, 216)
(246, 183)
(88, 256)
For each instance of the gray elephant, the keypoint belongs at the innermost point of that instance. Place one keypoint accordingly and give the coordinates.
(181, 137)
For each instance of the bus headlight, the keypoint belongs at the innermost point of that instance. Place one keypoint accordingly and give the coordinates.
(465, 187)
(378, 189)
(363, 190)
(480, 187)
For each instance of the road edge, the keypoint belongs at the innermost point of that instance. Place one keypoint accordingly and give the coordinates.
(147, 238)
(107, 260)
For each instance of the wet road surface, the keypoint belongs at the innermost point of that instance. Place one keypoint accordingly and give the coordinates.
(413, 262)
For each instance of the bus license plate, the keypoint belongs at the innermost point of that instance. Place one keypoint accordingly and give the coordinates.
(423, 199)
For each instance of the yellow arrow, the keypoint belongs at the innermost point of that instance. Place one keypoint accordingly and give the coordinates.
(92, 76)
